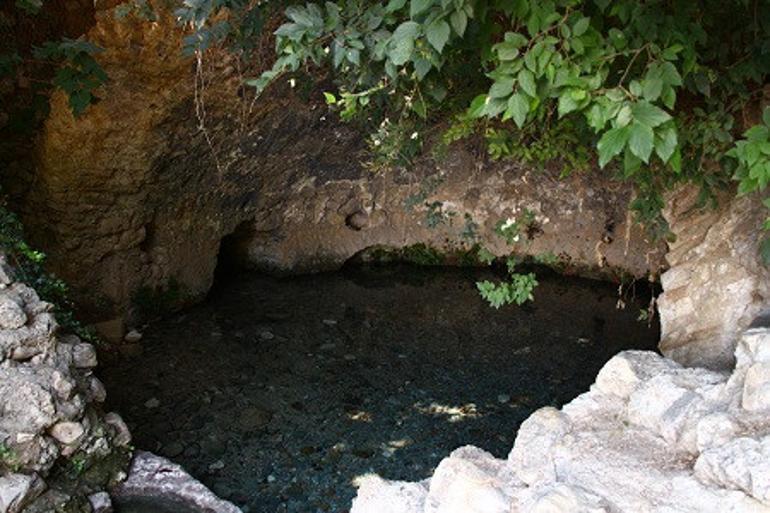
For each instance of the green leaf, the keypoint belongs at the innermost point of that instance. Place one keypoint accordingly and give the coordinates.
(648, 114)
(402, 42)
(501, 88)
(611, 144)
(580, 26)
(527, 82)
(330, 98)
(670, 74)
(651, 88)
(757, 133)
(676, 161)
(666, 143)
(459, 21)
(669, 97)
(476, 110)
(518, 108)
(438, 34)
(506, 51)
(395, 5)
(418, 6)
(420, 108)
(670, 53)
(641, 141)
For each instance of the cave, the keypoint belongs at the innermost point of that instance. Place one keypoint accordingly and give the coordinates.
(419, 256)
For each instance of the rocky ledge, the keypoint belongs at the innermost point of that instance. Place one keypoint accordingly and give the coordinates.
(155, 478)
(649, 436)
(56, 445)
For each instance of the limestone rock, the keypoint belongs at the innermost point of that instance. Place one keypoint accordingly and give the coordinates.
(26, 325)
(100, 502)
(376, 495)
(84, 356)
(742, 464)
(756, 388)
(716, 284)
(67, 433)
(531, 456)
(46, 411)
(153, 476)
(467, 482)
(18, 490)
(625, 371)
(561, 498)
(12, 314)
(121, 433)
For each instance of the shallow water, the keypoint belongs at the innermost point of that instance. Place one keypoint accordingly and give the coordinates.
(150, 505)
(277, 393)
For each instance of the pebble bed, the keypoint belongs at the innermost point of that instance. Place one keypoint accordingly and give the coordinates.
(279, 393)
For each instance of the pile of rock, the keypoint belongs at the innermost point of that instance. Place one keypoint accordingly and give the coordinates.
(649, 436)
(50, 423)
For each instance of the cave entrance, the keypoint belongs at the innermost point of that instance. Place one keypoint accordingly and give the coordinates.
(278, 392)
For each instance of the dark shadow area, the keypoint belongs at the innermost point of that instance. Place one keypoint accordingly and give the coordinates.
(278, 392)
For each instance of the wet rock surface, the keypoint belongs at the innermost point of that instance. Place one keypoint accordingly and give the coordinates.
(278, 394)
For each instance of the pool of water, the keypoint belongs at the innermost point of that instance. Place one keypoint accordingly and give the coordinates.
(151, 505)
(278, 393)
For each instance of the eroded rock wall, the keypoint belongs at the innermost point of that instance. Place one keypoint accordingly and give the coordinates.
(716, 283)
(51, 423)
(133, 197)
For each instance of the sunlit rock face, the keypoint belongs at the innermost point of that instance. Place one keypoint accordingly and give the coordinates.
(49, 404)
(716, 284)
(649, 436)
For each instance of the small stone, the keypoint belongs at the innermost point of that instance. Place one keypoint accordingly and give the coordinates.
(67, 433)
(173, 449)
(217, 465)
(152, 403)
(328, 347)
(271, 478)
(503, 398)
(133, 336)
(266, 335)
(357, 220)
(100, 502)
(84, 356)
(349, 357)
(329, 322)
(12, 316)
(121, 433)
(63, 386)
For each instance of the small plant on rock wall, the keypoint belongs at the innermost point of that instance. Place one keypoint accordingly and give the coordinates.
(28, 265)
(8, 458)
(752, 153)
